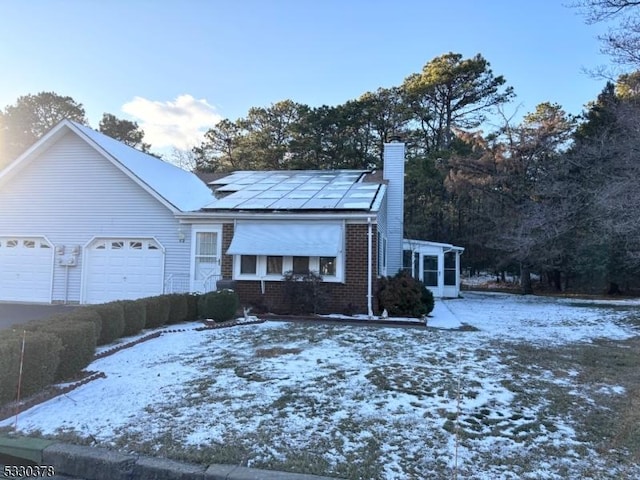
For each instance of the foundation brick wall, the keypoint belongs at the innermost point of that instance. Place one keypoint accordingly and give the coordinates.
(348, 297)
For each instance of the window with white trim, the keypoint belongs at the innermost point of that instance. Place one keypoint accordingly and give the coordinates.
(248, 264)
(269, 267)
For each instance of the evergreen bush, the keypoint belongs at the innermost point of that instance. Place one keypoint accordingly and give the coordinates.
(134, 316)
(157, 311)
(112, 316)
(219, 306)
(304, 292)
(192, 306)
(402, 295)
(41, 360)
(178, 308)
(77, 333)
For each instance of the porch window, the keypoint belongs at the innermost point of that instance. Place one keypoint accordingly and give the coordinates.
(248, 264)
(450, 268)
(430, 270)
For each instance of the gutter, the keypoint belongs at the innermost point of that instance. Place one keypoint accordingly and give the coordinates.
(213, 215)
(369, 269)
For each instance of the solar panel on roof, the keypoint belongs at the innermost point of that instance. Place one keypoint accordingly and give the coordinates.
(295, 190)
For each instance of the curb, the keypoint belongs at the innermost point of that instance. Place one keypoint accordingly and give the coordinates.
(95, 463)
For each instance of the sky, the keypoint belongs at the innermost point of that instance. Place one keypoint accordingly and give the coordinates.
(178, 67)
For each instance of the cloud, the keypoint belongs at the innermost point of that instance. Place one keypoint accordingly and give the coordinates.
(180, 123)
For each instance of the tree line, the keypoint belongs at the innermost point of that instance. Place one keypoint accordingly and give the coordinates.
(24, 122)
(552, 194)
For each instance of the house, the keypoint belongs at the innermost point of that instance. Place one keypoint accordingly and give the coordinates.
(87, 219)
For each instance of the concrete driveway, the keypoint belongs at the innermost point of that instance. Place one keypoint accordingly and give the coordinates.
(17, 313)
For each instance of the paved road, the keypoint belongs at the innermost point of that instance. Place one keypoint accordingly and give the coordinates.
(17, 313)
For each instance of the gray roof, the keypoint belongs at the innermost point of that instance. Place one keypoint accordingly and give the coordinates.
(295, 190)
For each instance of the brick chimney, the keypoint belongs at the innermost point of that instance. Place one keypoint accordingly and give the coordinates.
(393, 172)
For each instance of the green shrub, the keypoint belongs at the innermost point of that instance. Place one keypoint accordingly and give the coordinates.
(157, 312)
(112, 316)
(219, 306)
(192, 306)
(178, 308)
(402, 295)
(77, 332)
(41, 359)
(427, 299)
(304, 292)
(135, 312)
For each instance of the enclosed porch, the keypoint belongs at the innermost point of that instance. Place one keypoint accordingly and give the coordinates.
(437, 265)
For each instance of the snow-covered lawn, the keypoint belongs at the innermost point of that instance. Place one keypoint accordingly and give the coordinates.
(365, 401)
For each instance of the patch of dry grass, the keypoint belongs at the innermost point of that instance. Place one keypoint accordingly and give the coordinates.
(276, 352)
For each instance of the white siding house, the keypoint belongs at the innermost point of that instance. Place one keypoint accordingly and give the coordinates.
(82, 220)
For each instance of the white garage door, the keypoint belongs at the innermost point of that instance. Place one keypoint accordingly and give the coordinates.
(26, 267)
(123, 268)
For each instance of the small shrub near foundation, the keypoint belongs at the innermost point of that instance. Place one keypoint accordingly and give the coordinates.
(134, 316)
(41, 359)
(403, 296)
(304, 292)
(219, 306)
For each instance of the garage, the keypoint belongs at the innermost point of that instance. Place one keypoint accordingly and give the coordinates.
(123, 268)
(26, 267)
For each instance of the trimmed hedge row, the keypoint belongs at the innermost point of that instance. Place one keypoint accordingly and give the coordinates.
(61, 346)
(41, 359)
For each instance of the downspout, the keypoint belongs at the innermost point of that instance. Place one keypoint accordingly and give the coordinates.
(369, 269)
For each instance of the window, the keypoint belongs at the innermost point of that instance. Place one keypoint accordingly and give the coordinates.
(450, 268)
(248, 264)
(430, 270)
(407, 261)
(12, 243)
(274, 265)
(300, 265)
(117, 245)
(328, 266)
(135, 245)
(29, 244)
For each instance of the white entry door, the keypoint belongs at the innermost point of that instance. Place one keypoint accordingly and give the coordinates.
(26, 268)
(123, 268)
(206, 260)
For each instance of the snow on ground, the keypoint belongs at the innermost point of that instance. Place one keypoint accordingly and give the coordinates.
(350, 400)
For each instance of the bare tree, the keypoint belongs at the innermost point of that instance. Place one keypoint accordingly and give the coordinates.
(621, 42)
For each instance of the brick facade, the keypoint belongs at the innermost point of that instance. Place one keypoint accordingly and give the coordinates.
(347, 297)
(226, 266)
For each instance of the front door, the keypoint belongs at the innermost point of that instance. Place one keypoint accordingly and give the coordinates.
(430, 274)
(206, 260)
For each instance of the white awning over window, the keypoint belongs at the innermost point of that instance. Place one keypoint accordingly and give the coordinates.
(304, 239)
